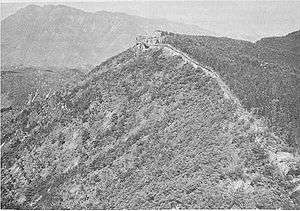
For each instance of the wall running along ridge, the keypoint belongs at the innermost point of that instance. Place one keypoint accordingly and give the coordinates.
(283, 160)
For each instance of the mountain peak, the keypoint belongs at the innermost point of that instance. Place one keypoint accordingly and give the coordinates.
(62, 7)
(71, 37)
(30, 8)
(49, 8)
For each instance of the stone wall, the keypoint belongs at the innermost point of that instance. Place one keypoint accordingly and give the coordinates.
(149, 40)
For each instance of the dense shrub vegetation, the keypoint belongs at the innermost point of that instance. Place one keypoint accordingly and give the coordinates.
(143, 131)
(264, 75)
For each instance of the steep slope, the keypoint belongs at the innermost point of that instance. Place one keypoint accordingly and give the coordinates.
(68, 37)
(22, 85)
(264, 75)
(145, 130)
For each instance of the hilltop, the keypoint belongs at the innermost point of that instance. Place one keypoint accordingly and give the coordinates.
(147, 129)
(68, 37)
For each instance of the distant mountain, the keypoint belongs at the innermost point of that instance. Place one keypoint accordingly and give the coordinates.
(264, 75)
(146, 129)
(69, 37)
(288, 46)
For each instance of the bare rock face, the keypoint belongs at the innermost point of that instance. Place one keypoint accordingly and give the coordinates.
(147, 130)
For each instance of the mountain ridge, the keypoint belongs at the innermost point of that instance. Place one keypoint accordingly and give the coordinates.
(261, 74)
(64, 36)
(145, 129)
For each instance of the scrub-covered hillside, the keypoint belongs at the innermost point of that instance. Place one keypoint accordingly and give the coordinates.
(145, 130)
(264, 75)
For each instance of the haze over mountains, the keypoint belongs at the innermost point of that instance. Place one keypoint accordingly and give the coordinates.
(68, 37)
(190, 122)
(247, 20)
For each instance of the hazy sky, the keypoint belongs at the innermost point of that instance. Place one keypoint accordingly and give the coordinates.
(238, 19)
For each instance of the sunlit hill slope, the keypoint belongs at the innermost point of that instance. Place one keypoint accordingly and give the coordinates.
(146, 129)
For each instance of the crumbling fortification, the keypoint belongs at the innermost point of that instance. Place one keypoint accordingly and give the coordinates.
(145, 41)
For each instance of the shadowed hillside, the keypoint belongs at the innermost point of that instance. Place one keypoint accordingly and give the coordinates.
(289, 44)
(145, 130)
(264, 75)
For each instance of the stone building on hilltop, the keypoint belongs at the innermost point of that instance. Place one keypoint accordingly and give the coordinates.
(150, 39)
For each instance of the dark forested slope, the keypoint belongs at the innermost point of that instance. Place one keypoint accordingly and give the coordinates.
(264, 75)
(144, 130)
(289, 43)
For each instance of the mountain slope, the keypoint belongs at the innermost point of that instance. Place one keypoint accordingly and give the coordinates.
(290, 42)
(19, 83)
(264, 75)
(145, 130)
(22, 85)
(68, 37)
(287, 48)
